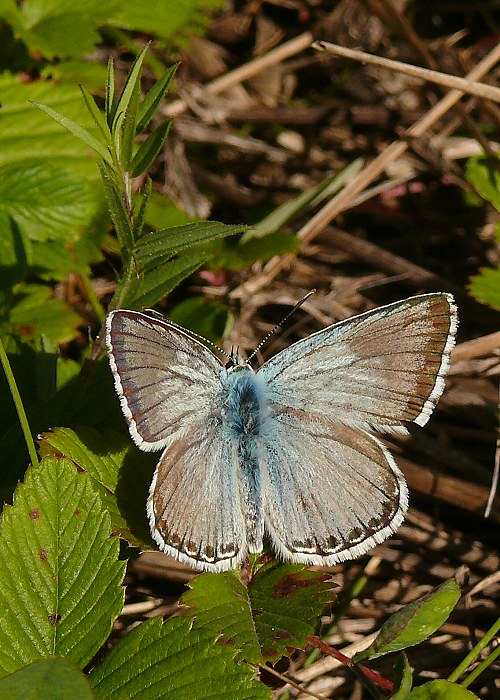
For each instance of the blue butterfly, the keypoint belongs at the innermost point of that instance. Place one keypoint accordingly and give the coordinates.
(286, 451)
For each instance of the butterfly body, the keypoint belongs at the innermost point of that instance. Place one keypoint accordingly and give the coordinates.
(286, 451)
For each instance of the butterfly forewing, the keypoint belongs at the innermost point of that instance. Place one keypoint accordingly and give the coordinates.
(332, 492)
(164, 378)
(379, 369)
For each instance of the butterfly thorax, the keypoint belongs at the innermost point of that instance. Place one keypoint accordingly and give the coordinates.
(244, 400)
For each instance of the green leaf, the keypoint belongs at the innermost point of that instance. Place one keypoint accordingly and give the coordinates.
(60, 578)
(414, 622)
(35, 312)
(14, 251)
(485, 287)
(57, 28)
(77, 130)
(127, 127)
(157, 247)
(120, 472)
(132, 87)
(403, 678)
(189, 664)
(97, 115)
(220, 602)
(162, 19)
(277, 612)
(121, 220)
(236, 255)
(162, 213)
(149, 149)
(55, 678)
(485, 178)
(141, 215)
(208, 318)
(156, 282)
(154, 98)
(441, 690)
(43, 200)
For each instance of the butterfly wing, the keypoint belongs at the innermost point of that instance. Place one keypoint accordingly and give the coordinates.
(331, 492)
(169, 387)
(194, 506)
(378, 369)
(164, 378)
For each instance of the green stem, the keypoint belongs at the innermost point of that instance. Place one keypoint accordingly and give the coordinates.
(16, 397)
(480, 668)
(120, 296)
(474, 653)
(92, 297)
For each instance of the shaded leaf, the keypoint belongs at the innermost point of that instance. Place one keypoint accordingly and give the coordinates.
(208, 318)
(35, 312)
(275, 614)
(55, 678)
(149, 149)
(403, 678)
(485, 287)
(60, 578)
(485, 177)
(121, 474)
(414, 622)
(189, 664)
(441, 690)
(162, 213)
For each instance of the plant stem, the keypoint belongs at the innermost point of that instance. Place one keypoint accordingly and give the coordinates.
(474, 653)
(16, 397)
(480, 668)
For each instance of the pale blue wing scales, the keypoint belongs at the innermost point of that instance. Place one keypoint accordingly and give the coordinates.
(164, 378)
(379, 369)
(331, 492)
(194, 506)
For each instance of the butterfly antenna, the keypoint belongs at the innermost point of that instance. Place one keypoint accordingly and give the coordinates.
(206, 341)
(278, 325)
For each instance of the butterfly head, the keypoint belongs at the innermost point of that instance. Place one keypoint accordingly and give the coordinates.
(236, 361)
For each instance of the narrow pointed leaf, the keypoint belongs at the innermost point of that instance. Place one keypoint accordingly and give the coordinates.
(97, 115)
(149, 149)
(55, 678)
(161, 280)
(403, 678)
(188, 664)
(127, 128)
(110, 104)
(60, 578)
(414, 623)
(141, 214)
(79, 131)
(117, 209)
(154, 98)
(132, 84)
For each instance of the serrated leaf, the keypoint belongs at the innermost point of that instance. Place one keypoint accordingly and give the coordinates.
(42, 200)
(149, 149)
(154, 98)
(220, 602)
(275, 614)
(57, 28)
(403, 678)
(60, 578)
(121, 474)
(287, 600)
(485, 177)
(159, 246)
(414, 622)
(485, 287)
(77, 130)
(36, 312)
(441, 690)
(55, 678)
(189, 664)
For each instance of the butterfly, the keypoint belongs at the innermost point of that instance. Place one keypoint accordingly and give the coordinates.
(284, 452)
